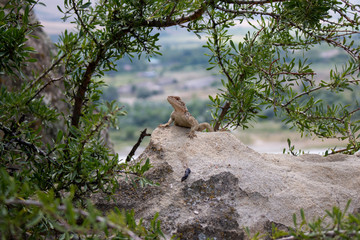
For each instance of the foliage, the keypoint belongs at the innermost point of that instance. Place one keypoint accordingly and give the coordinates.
(271, 68)
(52, 160)
(262, 72)
(291, 149)
(48, 216)
(13, 51)
(336, 224)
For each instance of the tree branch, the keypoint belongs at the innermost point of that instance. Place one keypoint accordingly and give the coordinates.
(85, 81)
(91, 68)
(224, 111)
(95, 129)
(22, 142)
(326, 39)
(217, 51)
(43, 87)
(302, 94)
(168, 22)
(137, 144)
(47, 71)
(82, 22)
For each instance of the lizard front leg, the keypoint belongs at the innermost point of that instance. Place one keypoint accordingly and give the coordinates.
(167, 124)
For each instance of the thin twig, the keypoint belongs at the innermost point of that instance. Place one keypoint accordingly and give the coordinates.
(82, 22)
(217, 52)
(172, 11)
(47, 71)
(137, 144)
(302, 94)
(43, 87)
(22, 142)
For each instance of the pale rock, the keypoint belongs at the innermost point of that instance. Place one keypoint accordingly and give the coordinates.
(232, 187)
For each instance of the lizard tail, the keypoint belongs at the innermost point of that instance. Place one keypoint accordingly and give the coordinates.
(186, 175)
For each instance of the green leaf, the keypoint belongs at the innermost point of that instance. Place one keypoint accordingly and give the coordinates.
(59, 136)
(233, 45)
(34, 220)
(86, 5)
(58, 7)
(31, 60)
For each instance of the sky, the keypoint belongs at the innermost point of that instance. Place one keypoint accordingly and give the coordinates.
(50, 17)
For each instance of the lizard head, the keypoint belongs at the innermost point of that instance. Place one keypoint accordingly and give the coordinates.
(177, 103)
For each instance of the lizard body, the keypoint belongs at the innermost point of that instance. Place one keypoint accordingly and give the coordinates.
(182, 117)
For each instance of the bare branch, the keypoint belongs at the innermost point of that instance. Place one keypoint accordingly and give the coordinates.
(137, 144)
(43, 87)
(47, 71)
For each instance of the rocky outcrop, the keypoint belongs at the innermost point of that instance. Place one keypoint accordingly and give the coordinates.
(232, 187)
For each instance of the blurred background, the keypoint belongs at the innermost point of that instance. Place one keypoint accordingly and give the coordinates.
(143, 85)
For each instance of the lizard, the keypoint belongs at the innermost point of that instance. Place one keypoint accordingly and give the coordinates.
(182, 117)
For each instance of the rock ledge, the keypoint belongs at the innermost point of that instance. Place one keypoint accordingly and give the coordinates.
(232, 187)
